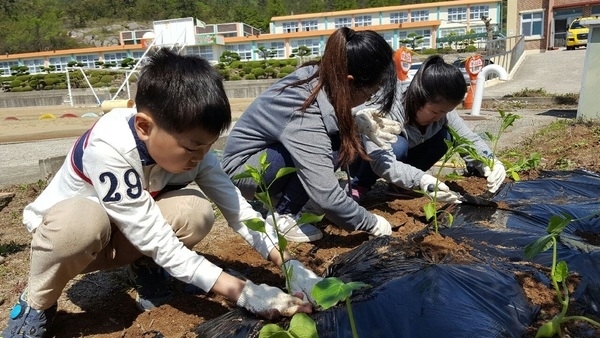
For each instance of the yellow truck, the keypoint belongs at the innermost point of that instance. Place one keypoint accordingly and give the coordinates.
(577, 34)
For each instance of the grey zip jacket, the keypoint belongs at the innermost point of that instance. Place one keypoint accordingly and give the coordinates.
(404, 175)
(310, 137)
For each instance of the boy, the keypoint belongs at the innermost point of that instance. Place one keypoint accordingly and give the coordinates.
(122, 198)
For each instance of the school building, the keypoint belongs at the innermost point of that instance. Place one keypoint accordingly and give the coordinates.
(540, 22)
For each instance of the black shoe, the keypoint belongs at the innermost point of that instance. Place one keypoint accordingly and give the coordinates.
(153, 283)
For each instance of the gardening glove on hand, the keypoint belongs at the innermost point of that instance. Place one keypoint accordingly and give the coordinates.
(270, 302)
(380, 130)
(382, 228)
(494, 177)
(444, 194)
(303, 280)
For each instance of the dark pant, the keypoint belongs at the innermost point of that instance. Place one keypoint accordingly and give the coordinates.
(293, 196)
(423, 157)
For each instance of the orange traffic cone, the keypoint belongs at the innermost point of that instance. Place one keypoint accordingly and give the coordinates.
(468, 101)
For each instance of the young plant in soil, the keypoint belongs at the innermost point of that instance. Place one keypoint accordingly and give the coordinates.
(301, 324)
(456, 146)
(559, 273)
(327, 292)
(506, 120)
(332, 290)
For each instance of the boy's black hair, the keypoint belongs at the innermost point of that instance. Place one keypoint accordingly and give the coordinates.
(183, 93)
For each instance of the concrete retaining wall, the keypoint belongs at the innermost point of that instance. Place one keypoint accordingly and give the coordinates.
(85, 97)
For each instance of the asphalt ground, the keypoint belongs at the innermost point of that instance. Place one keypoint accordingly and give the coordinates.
(556, 72)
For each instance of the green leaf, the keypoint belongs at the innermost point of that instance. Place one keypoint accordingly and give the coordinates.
(450, 218)
(273, 331)
(561, 272)
(282, 241)
(309, 218)
(255, 224)
(264, 197)
(284, 171)
(262, 160)
(540, 245)
(557, 223)
(430, 210)
(331, 290)
(302, 326)
(550, 329)
(245, 174)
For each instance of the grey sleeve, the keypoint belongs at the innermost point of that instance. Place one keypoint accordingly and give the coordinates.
(310, 147)
(461, 128)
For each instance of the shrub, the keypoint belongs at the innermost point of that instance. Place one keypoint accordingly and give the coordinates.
(234, 78)
(291, 62)
(51, 75)
(287, 69)
(280, 75)
(26, 89)
(52, 87)
(258, 72)
(270, 72)
(250, 77)
(106, 78)
(24, 78)
(470, 49)
(99, 84)
(236, 64)
(93, 80)
(568, 99)
(16, 84)
(247, 69)
(224, 73)
(113, 90)
(60, 86)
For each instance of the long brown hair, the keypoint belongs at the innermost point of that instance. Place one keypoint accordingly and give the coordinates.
(368, 58)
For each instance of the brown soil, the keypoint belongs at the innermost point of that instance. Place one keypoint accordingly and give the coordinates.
(101, 304)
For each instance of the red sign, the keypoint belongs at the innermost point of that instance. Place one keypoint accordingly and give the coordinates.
(474, 65)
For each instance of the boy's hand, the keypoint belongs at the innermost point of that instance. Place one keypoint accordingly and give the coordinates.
(270, 302)
(380, 130)
(303, 280)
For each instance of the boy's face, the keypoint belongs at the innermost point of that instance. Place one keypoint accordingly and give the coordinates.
(176, 153)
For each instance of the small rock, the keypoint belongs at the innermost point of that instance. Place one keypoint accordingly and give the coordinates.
(2, 260)
(5, 198)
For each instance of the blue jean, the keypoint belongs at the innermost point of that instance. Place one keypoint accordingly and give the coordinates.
(293, 195)
(423, 157)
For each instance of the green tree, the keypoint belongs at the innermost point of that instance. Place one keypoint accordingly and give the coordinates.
(412, 40)
(265, 53)
(301, 52)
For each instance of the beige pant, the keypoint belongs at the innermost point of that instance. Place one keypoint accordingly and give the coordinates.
(76, 237)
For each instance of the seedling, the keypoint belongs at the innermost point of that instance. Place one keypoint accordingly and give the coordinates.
(507, 120)
(458, 145)
(521, 164)
(301, 325)
(559, 273)
(332, 290)
(258, 224)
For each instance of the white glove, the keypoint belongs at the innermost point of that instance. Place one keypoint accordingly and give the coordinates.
(380, 130)
(444, 195)
(303, 280)
(268, 301)
(382, 228)
(494, 177)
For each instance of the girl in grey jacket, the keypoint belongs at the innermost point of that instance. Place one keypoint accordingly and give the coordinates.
(426, 110)
(305, 121)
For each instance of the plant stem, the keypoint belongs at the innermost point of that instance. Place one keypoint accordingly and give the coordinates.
(585, 319)
(351, 316)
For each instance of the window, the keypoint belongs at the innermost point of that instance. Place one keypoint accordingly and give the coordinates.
(243, 50)
(34, 65)
(205, 52)
(595, 10)
(478, 11)
(89, 61)
(398, 17)
(290, 27)
(457, 31)
(5, 67)
(309, 25)
(137, 55)
(59, 62)
(313, 44)
(419, 16)
(457, 14)
(277, 47)
(115, 57)
(343, 22)
(425, 41)
(389, 38)
(531, 24)
(362, 20)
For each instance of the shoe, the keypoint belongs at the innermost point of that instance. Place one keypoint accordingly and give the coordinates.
(397, 192)
(153, 284)
(25, 321)
(288, 226)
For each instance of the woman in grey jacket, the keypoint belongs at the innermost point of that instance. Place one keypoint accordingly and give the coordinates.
(305, 121)
(426, 110)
